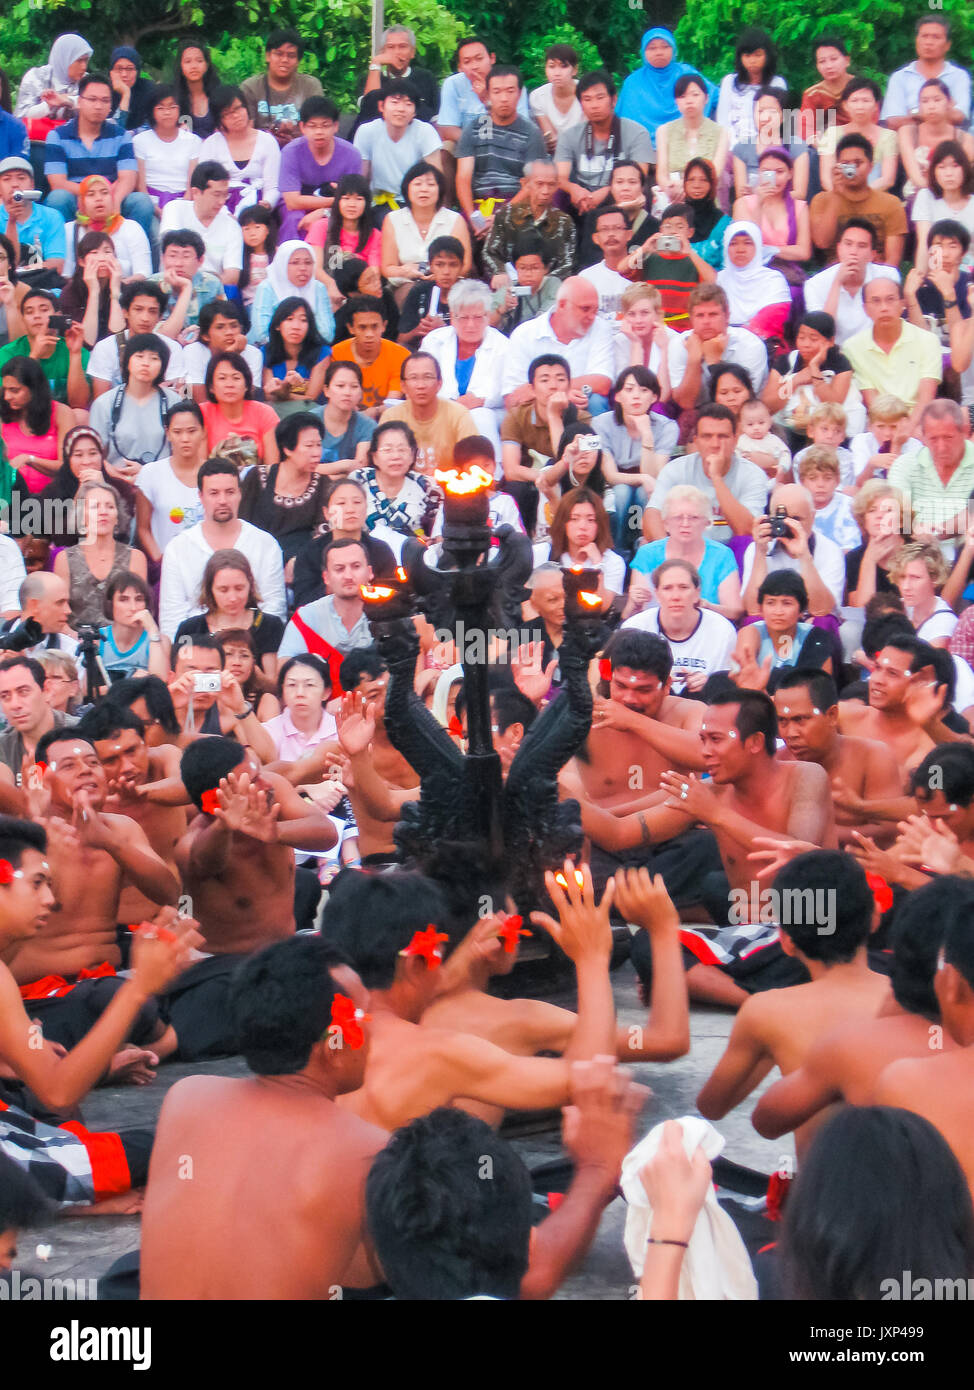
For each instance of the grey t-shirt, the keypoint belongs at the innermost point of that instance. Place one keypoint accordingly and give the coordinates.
(590, 159)
(748, 483)
(627, 451)
(500, 153)
(133, 431)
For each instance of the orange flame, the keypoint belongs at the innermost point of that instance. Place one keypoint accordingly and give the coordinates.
(463, 484)
(589, 600)
(401, 575)
(376, 592)
(562, 881)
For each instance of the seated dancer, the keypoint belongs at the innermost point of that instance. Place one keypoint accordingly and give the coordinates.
(41, 1081)
(529, 1026)
(296, 1014)
(639, 729)
(827, 913)
(237, 866)
(898, 713)
(387, 925)
(67, 971)
(845, 1063)
(938, 1086)
(751, 796)
(130, 765)
(471, 1239)
(807, 706)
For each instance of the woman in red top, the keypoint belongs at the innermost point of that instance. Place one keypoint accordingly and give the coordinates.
(237, 426)
(32, 424)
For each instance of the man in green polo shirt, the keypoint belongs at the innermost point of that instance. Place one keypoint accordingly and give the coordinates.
(937, 481)
(62, 359)
(894, 356)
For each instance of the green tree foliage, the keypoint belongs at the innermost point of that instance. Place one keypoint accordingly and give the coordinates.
(878, 33)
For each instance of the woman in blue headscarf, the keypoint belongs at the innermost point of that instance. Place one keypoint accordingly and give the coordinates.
(130, 90)
(647, 95)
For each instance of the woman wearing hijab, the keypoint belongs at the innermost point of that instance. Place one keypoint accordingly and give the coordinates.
(647, 95)
(96, 213)
(783, 219)
(130, 88)
(709, 221)
(759, 298)
(291, 274)
(50, 92)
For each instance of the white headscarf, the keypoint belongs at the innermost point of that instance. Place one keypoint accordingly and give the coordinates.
(754, 286)
(64, 51)
(277, 274)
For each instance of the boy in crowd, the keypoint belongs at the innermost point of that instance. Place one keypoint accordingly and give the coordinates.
(426, 305)
(379, 360)
(819, 473)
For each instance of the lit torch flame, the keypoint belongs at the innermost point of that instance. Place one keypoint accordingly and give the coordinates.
(376, 593)
(401, 575)
(462, 484)
(589, 600)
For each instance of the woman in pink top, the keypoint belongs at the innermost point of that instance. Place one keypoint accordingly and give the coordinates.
(782, 219)
(32, 424)
(304, 722)
(237, 426)
(348, 229)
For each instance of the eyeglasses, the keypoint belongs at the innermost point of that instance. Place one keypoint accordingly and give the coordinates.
(97, 101)
(125, 67)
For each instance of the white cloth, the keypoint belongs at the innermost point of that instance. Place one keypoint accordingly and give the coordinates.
(623, 351)
(850, 316)
(743, 347)
(863, 446)
(65, 50)
(277, 276)
(941, 622)
(411, 246)
(754, 286)
(485, 379)
(167, 161)
(13, 572)
(612, 565)
(716, 1264)
(131, 249)
(590, 355)
(185, 560)
(259, 176)
(103, 364)
(223, 238)
(542, 103)
(963, 684)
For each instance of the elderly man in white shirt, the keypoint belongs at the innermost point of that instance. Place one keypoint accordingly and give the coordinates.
(184, 558)
(819, 561)
(574, 331)
(711, 339)
(470, 355)
(837, 290)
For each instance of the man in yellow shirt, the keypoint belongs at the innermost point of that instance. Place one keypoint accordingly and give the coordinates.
(893, 355)
(437, 424)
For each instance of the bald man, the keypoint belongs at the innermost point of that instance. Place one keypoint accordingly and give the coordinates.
(574, 331)
(818, 560)
(44, 597)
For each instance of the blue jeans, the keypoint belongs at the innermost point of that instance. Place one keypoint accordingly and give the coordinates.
(138, 206)
(597, 405)
(627, 525)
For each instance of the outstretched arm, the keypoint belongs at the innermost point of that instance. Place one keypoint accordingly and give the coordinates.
(745, 1063)
(666, 1035)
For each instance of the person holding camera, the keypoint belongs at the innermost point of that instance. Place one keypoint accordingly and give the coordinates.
(56, 345)
(89, 566)
(207, 699)
(851, 196)
(784, 539)
(36, 232)
(42, 624)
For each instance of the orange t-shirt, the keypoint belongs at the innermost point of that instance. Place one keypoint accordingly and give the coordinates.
(382, 377)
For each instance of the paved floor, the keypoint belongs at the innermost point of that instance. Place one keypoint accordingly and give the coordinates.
(83, 1248)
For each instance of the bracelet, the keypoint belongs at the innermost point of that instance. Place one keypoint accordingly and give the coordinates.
(655, 1240)
(375, 67)
(244, 714)
(950, 303)
(157, 638)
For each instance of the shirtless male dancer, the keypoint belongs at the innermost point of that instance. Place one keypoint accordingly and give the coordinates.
(903, 709)
(67, 971)
(845, 1063)
(750, 796)
(386, 925)
(828, 913)
(807, 705)
(71, 1165)
(941, 1087)
(237, 866)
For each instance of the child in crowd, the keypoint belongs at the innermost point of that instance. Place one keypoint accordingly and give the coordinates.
(818, 471)
(348, 229)
(827, 427)
(669, 262)
(875, 450)
(534, 291)
(260, 243)
(758, 444)
(426, 306)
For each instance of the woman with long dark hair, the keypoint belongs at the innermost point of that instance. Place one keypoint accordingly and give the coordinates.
(91, 295)
(349, 228)
(33, 425)
(755, 66)
(195, 81)
(295, 358)
(230, 597)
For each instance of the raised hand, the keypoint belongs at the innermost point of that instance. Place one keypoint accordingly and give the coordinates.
(533, 680)
(583, 926)
(34, 784)
(248, 809)
(924, 700)
(686, 792)
(928, 844)
(642, 898)
(162, 948)
(774, 854)
(94, 830)
(597, 1127)
(356, 723)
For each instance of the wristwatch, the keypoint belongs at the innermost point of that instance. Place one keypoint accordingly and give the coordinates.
(248, 710)
(156, 638)
(375, 67)
(950, 303)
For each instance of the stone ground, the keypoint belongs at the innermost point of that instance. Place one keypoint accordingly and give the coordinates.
(83, 1248)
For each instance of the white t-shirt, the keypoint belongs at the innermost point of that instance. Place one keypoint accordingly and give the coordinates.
(175, 507)
(709, 647)
(850, 316)
(770, 444)
(13, 572)
(941, 622)
(542, 103)
(927, 208)
(623, 351)
(963, 684)
(610, 285)
(103, 364)
(862, 447)
(196, 359)
(223, 238)
(167, 161)
(828, 559)
(389, 159)
(613, 566)
(743, 347)
(131, 249)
